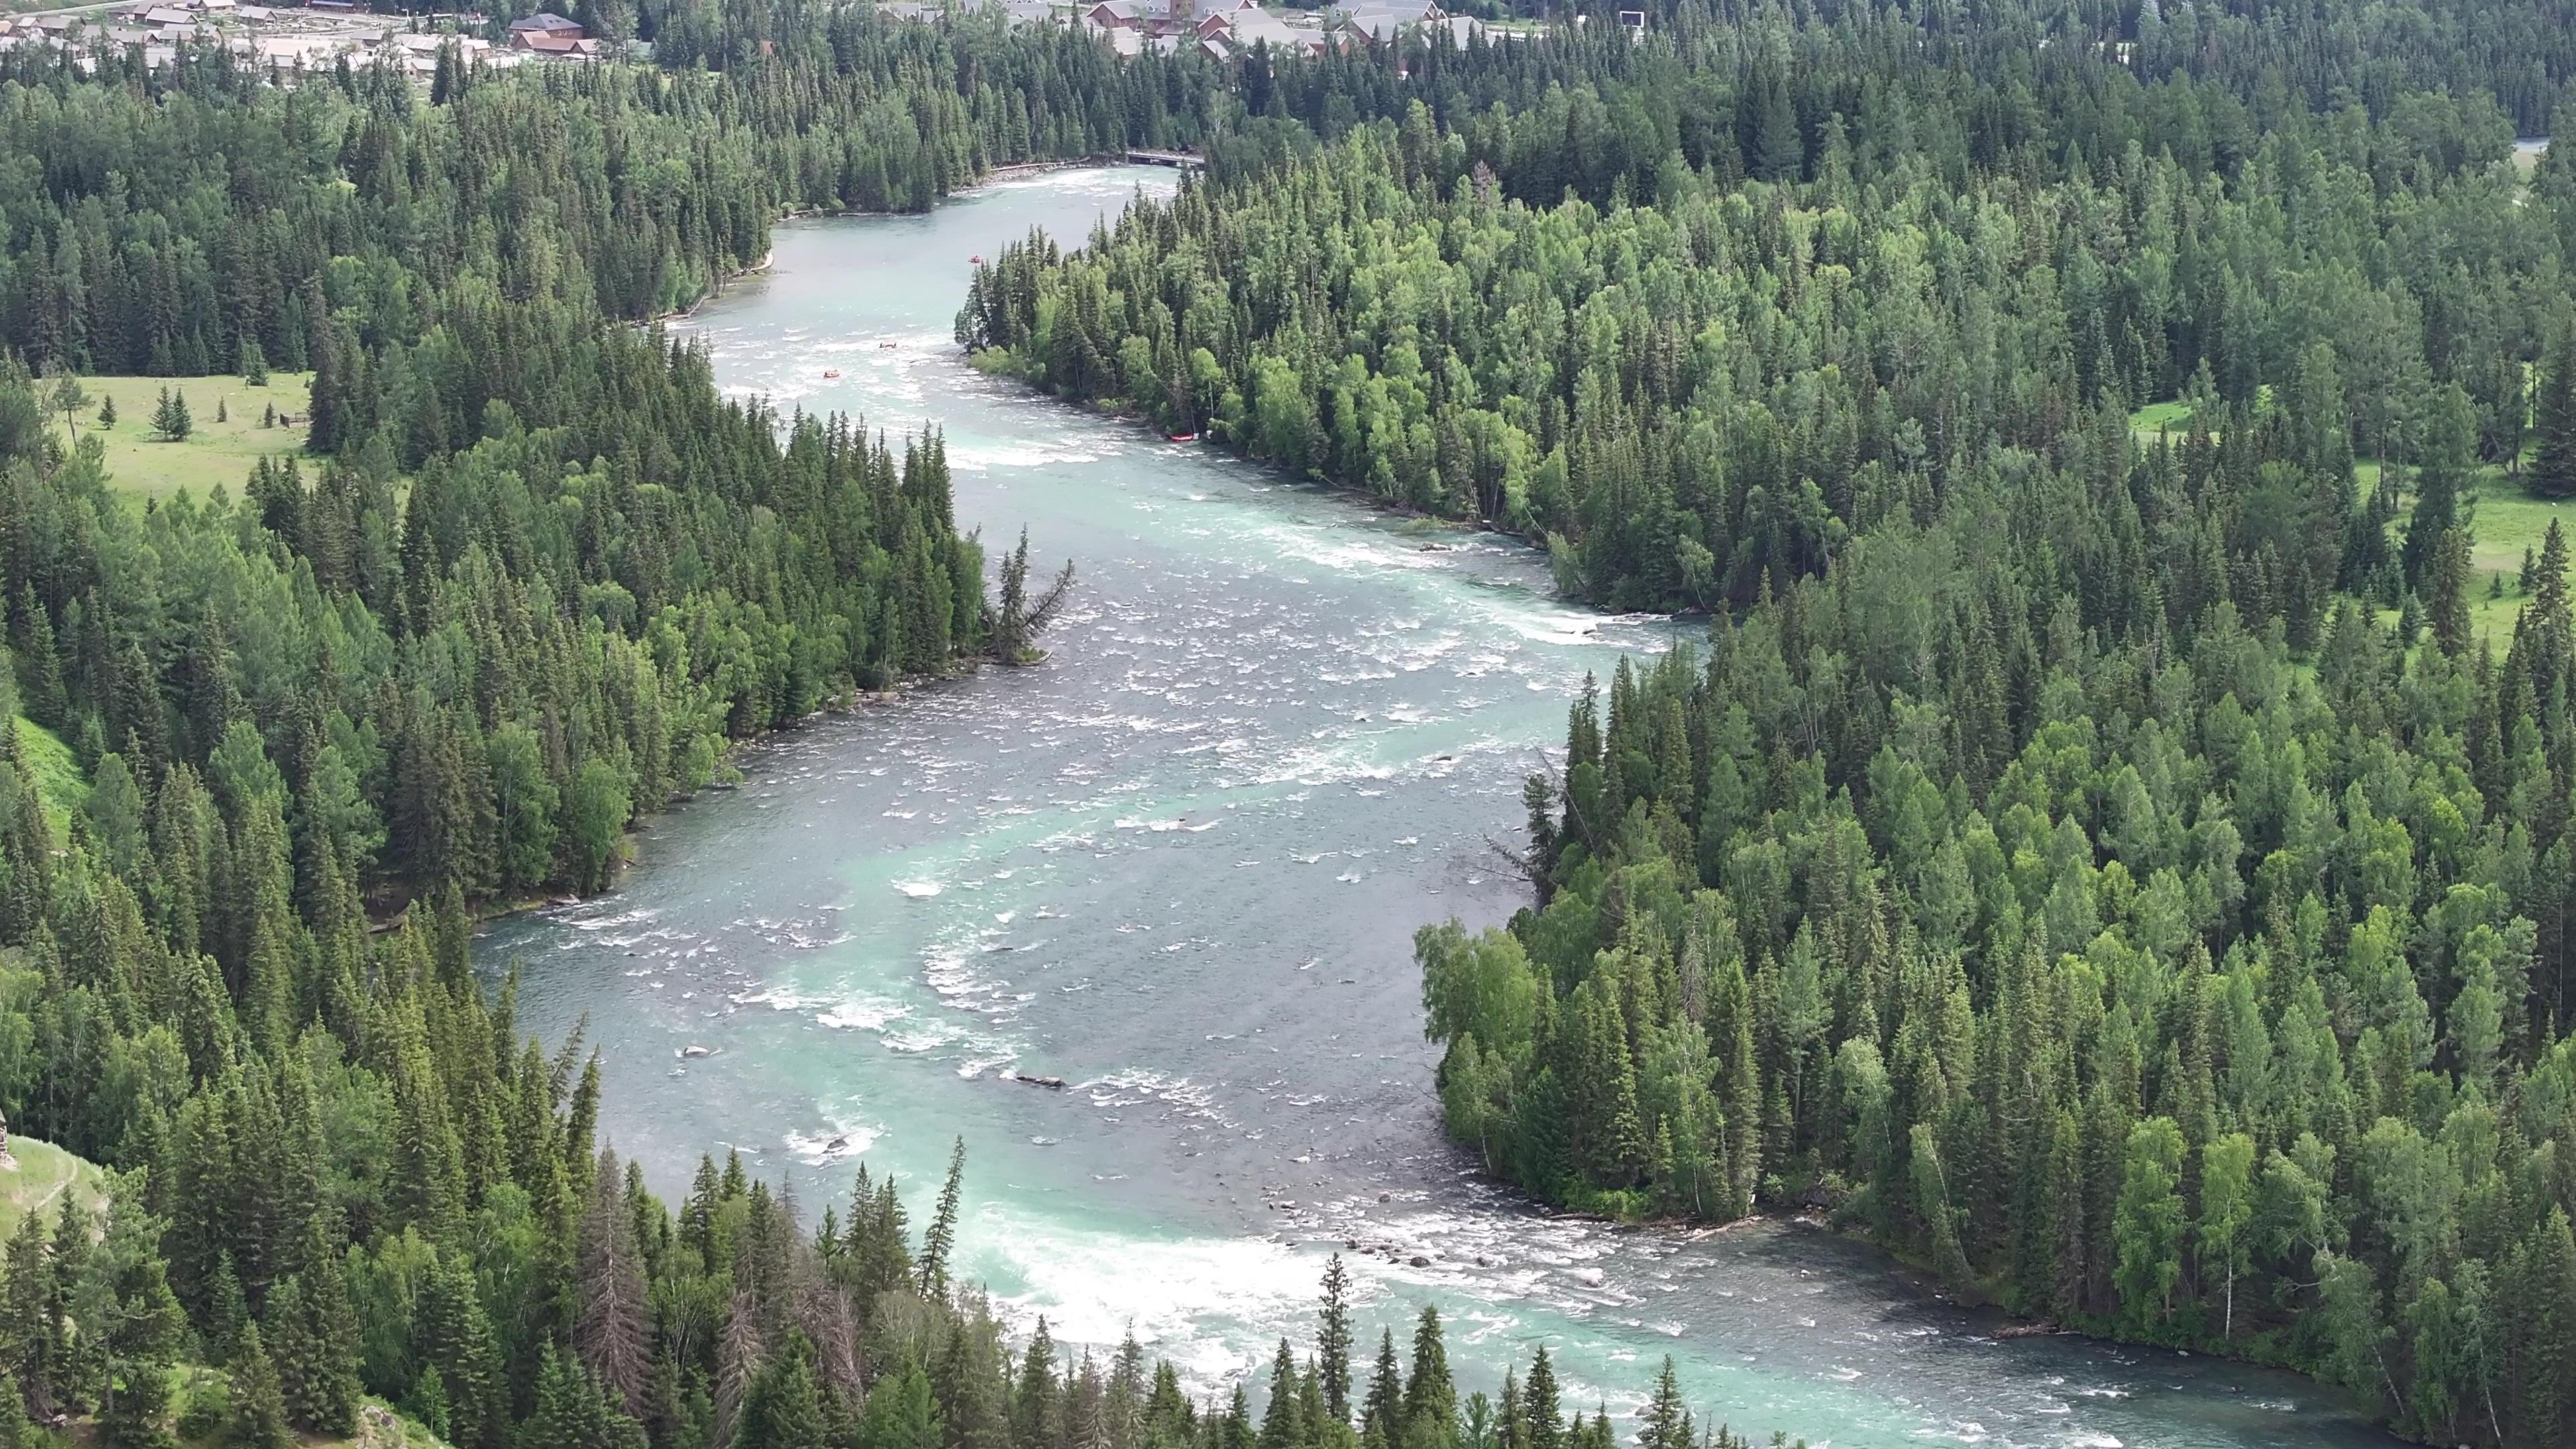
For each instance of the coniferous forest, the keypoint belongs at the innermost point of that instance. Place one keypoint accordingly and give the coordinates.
(2106, 863)
(520, 577)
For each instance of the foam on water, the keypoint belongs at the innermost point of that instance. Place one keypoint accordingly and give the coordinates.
(1135, 924)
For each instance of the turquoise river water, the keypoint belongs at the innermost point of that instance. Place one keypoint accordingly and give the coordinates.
(1178, 867)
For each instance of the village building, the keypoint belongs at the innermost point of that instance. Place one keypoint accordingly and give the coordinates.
(544, 25)
(560, 47)
(1232, 32)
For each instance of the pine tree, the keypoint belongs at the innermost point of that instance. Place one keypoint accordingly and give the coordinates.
(28, 1330)
(2436, 512)
(941, 1235)
(258, 1404)
(1539, 1404)
(170, 418)
(612, 1331)
(574, 1411)
(1280, 1427)
(1382, 1416)
(2553, 471)
(1333, 1341)
(901, 1412)
(1035, 1412)
(2449, 602)
(1430, 1397)
(323, 434)
(129, 1322)
(2544, 1343)
(1667, 1422)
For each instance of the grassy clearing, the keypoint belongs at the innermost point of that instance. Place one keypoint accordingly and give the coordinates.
(2172, 415)
(37, 1179)
(58, 775)
(142, 464)
(2508, 519)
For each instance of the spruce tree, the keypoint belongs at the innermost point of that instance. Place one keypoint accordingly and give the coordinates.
(941, 1235)
(575, 1412)
(1539, 1404)
(322, 349)
(1430, 1397)
(2553, 470)
(613, 1325)
(1382, 1416)
(2449, 602)
(1667, 1421)
(170, 417)
(129, 1323)
(1280, 1428)
(258, 1404)
(1333, 1341)
(2437, 508)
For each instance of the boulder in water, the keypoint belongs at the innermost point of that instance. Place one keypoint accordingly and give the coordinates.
(1588, 1277)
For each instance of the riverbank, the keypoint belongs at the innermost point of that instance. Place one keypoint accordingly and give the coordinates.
(1174, 870)
(1003, 364)
(1017, 170)
(728, 777)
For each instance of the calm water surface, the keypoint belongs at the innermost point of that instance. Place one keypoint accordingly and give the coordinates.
(1178, 867)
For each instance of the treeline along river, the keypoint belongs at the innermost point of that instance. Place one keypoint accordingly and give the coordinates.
(1133, 924)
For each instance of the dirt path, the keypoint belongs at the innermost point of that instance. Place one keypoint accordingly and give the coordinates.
(64, 1181)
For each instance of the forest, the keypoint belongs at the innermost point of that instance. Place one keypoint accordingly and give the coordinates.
(521, 576)
(2110, 867)
(1679, 400)
(2125, 830)
(2098, 851)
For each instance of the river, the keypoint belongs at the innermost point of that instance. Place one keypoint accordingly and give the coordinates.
(1178, 867)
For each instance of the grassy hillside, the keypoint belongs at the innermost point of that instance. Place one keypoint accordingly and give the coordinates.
(143, 464)
(58, 774)
(37, 1176)
(202, 1399)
